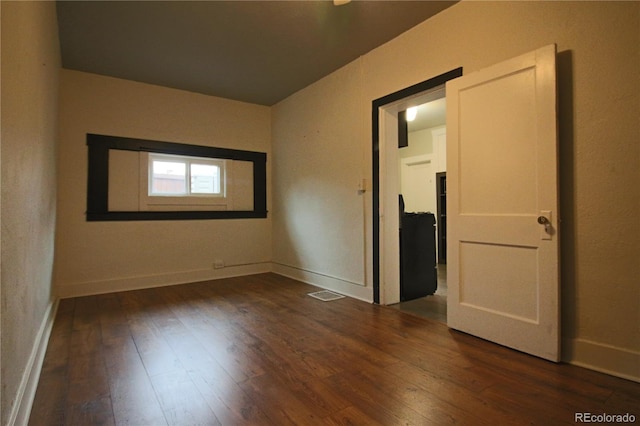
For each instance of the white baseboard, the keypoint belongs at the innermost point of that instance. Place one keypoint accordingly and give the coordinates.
(608, 359)
(158, 280)
(347, 288)
(19, 416)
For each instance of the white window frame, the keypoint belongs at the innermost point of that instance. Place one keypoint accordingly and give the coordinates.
(189, 201)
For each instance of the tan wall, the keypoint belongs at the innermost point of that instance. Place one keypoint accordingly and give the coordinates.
(30, 70)
(95, 257)
(321, 133)
(321, 143)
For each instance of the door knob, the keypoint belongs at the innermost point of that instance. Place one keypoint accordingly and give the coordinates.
(543, 220)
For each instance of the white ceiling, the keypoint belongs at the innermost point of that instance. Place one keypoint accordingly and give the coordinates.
(252, 51)
(430, 114)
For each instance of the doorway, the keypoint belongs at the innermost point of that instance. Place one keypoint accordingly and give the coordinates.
(422, 157)
(386, 181)
(502, 226)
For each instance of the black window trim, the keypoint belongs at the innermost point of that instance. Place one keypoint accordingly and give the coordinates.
(98, 178)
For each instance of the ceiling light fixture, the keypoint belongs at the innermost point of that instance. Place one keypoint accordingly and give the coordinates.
(411, 113)
(340, 2)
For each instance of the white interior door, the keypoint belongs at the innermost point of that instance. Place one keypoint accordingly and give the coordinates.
(417, 183)
(502, 273)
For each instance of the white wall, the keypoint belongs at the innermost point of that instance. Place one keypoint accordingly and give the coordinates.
(319, 139)
(420, 143)
(30, 71)
(321, 154)
(96, 257)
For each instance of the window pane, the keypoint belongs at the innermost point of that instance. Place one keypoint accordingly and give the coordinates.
(168, 178)
(205, 179)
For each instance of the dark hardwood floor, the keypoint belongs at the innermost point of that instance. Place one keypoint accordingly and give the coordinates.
(257, 350)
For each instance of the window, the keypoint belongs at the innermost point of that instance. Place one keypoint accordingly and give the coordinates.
(134, 179)
(179, 182)
(169, 174)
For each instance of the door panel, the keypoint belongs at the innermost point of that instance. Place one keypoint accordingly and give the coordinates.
(503, 273)
(516, 285)
(417, 185)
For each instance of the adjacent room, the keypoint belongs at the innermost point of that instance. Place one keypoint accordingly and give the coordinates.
(423, 190)
(178, 177)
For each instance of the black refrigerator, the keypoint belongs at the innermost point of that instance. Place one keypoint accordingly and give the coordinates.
(418, 273)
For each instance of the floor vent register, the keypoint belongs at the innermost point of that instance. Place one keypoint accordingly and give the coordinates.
(326, 295)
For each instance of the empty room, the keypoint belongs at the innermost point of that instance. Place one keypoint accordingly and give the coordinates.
(205, 216)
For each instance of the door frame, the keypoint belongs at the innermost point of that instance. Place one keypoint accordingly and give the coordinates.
(377, 109)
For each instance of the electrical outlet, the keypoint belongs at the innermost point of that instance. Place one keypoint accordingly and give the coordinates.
(218, 264)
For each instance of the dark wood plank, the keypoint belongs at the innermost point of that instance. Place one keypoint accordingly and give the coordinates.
(377, 405)
(231, 405)
(444, 392)
(88, 399)
(95, 411)
(258, 351)
(280, 403)
(132, 395)
(350, 416)
(181, 401)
